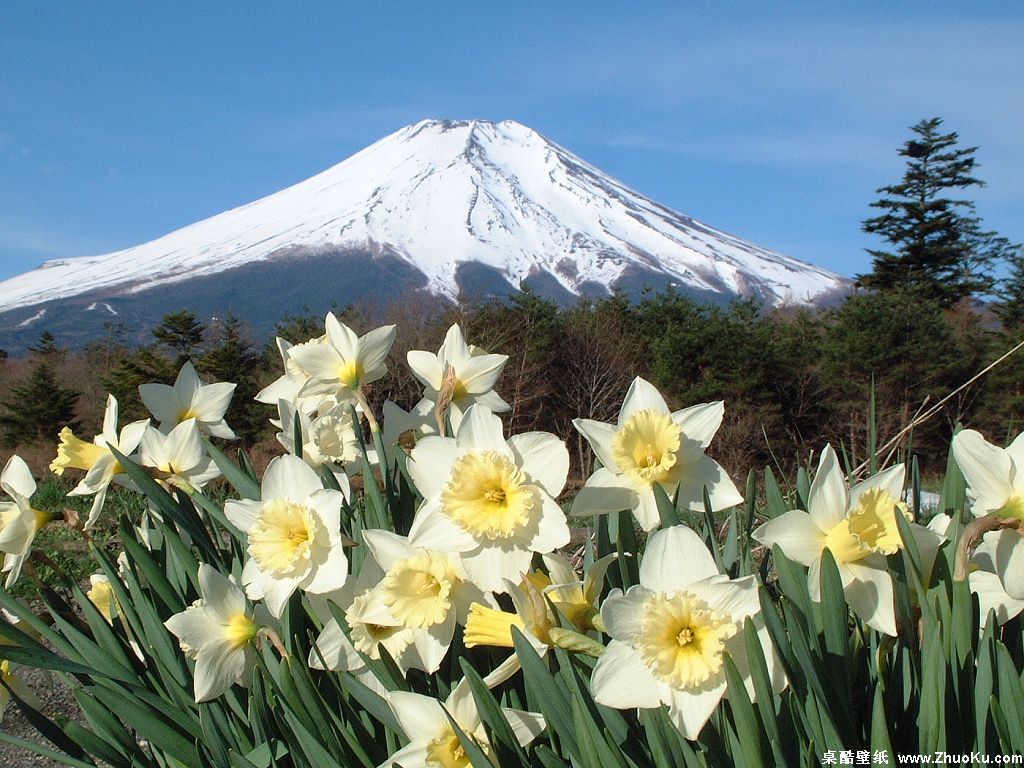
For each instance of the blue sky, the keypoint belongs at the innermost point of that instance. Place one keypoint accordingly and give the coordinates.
(121, 123)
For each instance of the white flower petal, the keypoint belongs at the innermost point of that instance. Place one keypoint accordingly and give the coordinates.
(480, 374)
(690, 710)
(289, 477)
(218, 667)
(827, 500)
(706, 474)
(242, 513)
(220, 595)
(526, 726)
(604, 492)
(552, 526)
(421, 717)
(430, 464)
(642, 396)
(431, 529)
(489, 566)
(543, 457)
(666, 550)
(17, 479)
(890, 479)
(870, 596)
(622, 613)
(986, 468)
(599, 435)
(481, 431)
(426, 367)
(699, 423)
(336, 650)
(621, 679)
(1006, 550)
(796, 534)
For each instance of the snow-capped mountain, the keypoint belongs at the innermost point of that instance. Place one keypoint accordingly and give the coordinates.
(442, 204)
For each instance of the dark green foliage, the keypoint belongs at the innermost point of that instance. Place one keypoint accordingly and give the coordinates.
(38, 408)
(1010, 307)
(232, 358)
(938, 247)
(181, 333)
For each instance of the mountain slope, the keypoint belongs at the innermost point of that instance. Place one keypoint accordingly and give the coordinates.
(441, 197)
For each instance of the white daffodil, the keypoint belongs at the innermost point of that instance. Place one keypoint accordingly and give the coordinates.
(290, 383)
(19, 522)
(98, 462)
(188, 399)
(218, 632)
(433, 742)
(178, 456)
(328, 440)
(491, 500)
(995, 486)
(995, 476)
(858, 525)
(372, 630)
(294, 535)
(670, 634)
(982, 576)
(650, 445)
(466, 374)
(423, 589)
(345, 362)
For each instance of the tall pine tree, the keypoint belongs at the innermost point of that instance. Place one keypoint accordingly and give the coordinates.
(939, 249)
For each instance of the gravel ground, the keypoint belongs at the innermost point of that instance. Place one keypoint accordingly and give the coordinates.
(56, 699)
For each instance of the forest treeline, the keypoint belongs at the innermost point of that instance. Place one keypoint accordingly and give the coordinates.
(792, 378)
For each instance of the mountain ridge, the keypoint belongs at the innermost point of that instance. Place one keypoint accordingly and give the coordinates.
(436, 196)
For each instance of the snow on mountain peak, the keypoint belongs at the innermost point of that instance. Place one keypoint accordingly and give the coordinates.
(441, 193)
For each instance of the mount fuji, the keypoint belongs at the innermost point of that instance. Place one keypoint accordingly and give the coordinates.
(439, 207)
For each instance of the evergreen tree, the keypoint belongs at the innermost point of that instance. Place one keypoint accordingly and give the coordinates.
(181, 333)
(234, 359)
(939, 249)
(38, 408)
(1010, 307)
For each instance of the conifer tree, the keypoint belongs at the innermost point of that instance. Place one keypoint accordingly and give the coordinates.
(39, 407)
(232, 358)
(939, 249)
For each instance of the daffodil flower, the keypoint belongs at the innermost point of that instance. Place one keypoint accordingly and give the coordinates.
(433, 742)
(372, 629)
(178, 456)
(670, 634)
(397, 422)
(95, 458)
(290, 383)
(488, 499)
(345, 362)
(576, 600)
(995, 476)
(101, 594)
(329, 440)
(650, 445)
(858, 525)
(294, 535)
(988, 558)
(423, 589)
(19, 522)
(217, 631)
(486, 625)
(995, 486)
(188, 399)
(470, 372)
